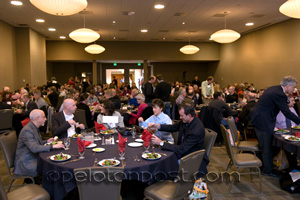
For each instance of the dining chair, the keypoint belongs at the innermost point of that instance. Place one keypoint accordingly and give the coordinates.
(99, 182)
(27, 192)
(80, 114)
(209, 140)
(241, 145)
(8, 144)
(6, 118)
(241, 160)
(181, 187)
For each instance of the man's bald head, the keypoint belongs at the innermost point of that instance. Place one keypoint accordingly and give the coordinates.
(69, 106)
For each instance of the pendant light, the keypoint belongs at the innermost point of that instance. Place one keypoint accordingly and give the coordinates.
(189, 49)
(291, 8)
(225, 35)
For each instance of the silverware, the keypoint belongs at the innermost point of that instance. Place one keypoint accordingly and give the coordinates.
(62, 163)
(95, 162)
(163, 154)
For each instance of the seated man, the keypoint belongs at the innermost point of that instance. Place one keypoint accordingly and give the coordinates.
(191, 134)
(111, 95)
(222, 108)
(232, 97)
(64, 122)
(40, 102)
(30, 144)
(92, 98)
(281, 121)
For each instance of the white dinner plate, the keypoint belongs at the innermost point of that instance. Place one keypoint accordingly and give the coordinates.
(139, 140)
(67, 157)
(135, 144)
(91, 145)
(292, 138)
(147, 156)
(98, 150)
(115, 162)
(97, 138)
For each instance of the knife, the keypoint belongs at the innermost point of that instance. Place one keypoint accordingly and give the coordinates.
(62, 163)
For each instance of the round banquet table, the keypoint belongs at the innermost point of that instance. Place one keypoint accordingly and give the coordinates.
(292, 147)
(58, 178)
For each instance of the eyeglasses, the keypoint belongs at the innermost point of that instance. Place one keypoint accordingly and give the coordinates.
(138, 99)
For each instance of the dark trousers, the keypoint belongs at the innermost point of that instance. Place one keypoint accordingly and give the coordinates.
(267, 151)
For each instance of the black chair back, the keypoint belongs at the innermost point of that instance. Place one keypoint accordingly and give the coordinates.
(147, 112)
(6, 119)
(209, 140)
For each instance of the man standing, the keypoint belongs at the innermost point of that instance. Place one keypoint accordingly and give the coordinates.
(30, 144)
(163, 91)
(148, 90)
(196, 81)
(191, 133)
(207, 90)
(264, 114)
(64, 122)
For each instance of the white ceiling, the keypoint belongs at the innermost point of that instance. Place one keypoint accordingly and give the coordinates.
(201, 17)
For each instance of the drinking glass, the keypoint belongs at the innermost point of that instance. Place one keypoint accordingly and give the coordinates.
(147, 149)
(81, 153)
(122, 155)
(67, 142)
(133, 132)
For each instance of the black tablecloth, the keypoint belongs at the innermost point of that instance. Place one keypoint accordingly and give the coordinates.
(58, 179)
(292, 147)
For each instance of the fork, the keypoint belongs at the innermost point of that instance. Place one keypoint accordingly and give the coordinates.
(95, 162)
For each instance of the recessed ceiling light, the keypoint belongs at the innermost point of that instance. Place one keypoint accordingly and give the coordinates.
(114, 38)
(114, 22)
(183, 22)
(164, 38)
(159, 6)
(249, 24)
(51, 29)
(16, 3)
(62, 37)
(144, 30)
(40, 20)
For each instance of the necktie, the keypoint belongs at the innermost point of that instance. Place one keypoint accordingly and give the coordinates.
(288, 123)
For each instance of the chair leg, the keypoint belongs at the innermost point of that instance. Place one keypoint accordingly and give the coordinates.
(10, 184)
(229, 165)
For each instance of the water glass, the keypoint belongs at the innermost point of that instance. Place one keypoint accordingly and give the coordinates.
(122, 155)
(133, 132)
(67, 142)
(81, 153)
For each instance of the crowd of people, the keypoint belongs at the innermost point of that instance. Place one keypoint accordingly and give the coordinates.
(168, 101)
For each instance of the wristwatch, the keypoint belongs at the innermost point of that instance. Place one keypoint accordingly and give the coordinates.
(161, 143)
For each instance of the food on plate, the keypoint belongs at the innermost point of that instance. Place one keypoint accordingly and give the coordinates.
(76, 135)
(152, 155)
(110, 162)
(107, 131)
(296, 127)
(293, 138)
(55, 138)
(60, 156)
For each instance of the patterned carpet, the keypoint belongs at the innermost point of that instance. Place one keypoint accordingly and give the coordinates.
(245, 189)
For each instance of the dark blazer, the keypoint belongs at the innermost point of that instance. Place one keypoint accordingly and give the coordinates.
(29, 146)
(264, 113)
(88, 114)
(60, 125)
(148, 92)
(27, 109)
(163, 91)
(230, 98)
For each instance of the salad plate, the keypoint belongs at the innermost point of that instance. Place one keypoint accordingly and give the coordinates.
(151, 156)
(60, 157)
(109, 163)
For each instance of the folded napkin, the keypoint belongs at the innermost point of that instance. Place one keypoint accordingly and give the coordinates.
(96, 103)
(122, 142)
(146, 137)
(297, 134)
(82, 144)
(99, 127)
(25, 121)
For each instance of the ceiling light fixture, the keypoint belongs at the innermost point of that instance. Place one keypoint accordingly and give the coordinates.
(189, 49)
(249, 24)
(225, 35)
(94, 49)
(60, 7)
(144, 30)
(40, 20)
(291, 8)
(62, 37)
(84, 35)
(159, 6)
(51, 29)
(16, 3)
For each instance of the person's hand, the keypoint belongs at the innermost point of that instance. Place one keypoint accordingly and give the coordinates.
(140, 119)
(155, 140)
(19, 111)
(153, 125)
(58, 146)
(81, 126)
(72, 122)
(128, 112)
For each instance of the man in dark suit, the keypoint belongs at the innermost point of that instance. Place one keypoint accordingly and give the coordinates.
(148, 90)
(191, 133)
(30, 144)
(23, 113)
(163, 91)
(263, 117)
(231, 97)
(64, 123)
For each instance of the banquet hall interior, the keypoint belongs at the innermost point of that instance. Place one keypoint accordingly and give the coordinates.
(140, 40)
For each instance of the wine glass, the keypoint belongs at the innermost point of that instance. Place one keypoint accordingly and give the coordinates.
(81, 152)
(67, 143)
(122, 155)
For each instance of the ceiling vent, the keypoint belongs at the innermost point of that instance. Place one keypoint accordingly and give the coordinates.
(179, 14)
(129, 13)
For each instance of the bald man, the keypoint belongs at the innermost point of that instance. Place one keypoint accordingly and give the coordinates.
(30, 144)
(64, 123)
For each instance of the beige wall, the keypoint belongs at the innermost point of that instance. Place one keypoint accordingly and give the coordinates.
(262, 57)
(158, 51)
(7, 56)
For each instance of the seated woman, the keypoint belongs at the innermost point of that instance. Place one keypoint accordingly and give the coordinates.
(142, 105)
(83, 99)
(158, 118)
(126, 91)
(108, 109)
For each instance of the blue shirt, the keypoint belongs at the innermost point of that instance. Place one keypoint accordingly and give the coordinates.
(133, 101)
(160, 119)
